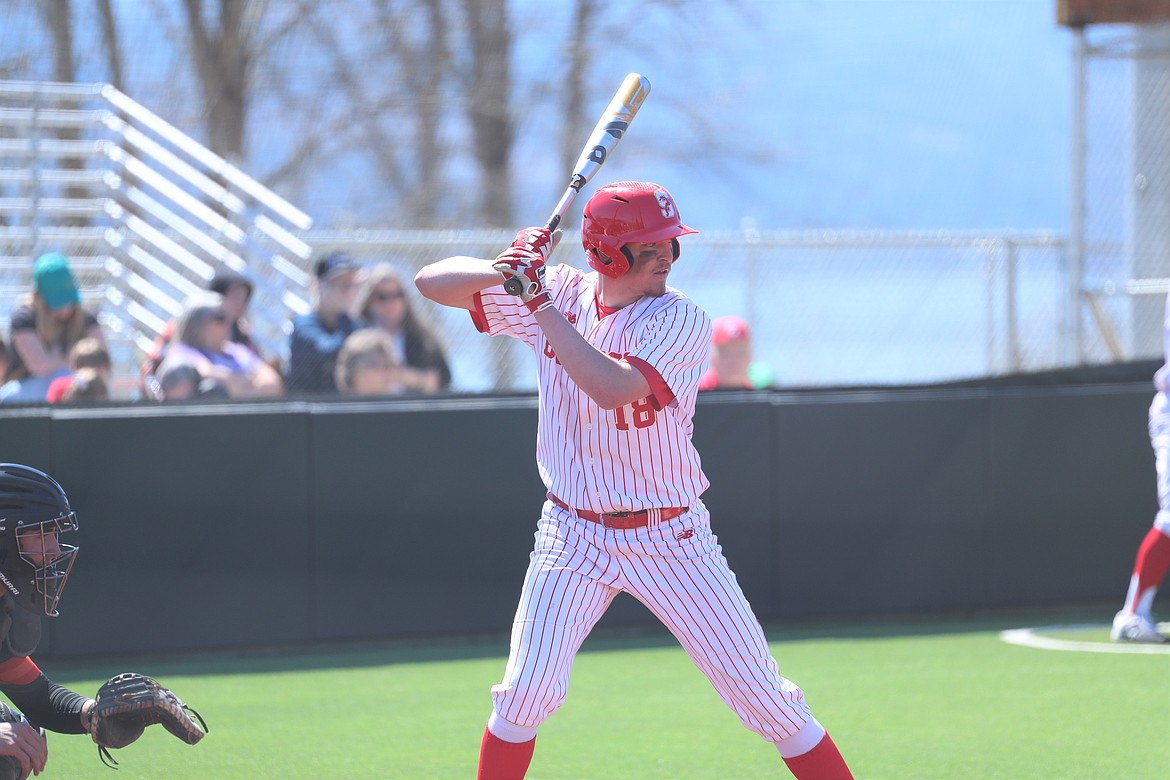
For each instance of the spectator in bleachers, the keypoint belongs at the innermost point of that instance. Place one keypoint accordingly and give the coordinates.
(317, 336)
(88, 355)
(732, 366)
(44, 329)
(236, 290)
(88, 385)
(202, 339)
(383, 303)
(368, 364)
(182, 382)
(177, 382)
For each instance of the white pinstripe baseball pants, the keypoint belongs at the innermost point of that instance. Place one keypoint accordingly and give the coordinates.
(678, 571)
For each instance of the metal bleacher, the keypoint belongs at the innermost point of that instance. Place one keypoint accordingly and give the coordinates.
(145, 214)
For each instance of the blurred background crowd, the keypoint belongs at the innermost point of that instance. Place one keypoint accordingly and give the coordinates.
(362, 337)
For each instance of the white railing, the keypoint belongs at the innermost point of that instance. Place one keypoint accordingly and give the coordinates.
(145, 213)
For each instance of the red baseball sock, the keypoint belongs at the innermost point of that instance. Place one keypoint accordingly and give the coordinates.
(501, 760)
(1153, 560)
(823, 762)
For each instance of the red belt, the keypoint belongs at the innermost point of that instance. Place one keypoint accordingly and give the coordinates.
(622, 520)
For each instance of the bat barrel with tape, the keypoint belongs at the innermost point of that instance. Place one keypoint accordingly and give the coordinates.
(610, 128)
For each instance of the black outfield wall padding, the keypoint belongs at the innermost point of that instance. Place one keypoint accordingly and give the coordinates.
(225, 526)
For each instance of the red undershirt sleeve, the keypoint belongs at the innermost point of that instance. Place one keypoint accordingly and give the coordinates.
(478, 318)
(660, 392)
(18, 671)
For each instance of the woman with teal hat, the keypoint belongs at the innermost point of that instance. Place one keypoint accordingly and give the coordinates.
(43, 330)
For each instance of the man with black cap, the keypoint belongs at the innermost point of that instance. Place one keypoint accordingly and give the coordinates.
(317, 336)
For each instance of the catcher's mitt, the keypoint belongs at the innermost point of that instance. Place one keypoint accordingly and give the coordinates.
(128, 703)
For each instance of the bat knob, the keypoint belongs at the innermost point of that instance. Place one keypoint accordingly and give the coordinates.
(513, 287)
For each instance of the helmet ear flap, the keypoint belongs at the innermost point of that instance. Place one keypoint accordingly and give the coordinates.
(605, 261)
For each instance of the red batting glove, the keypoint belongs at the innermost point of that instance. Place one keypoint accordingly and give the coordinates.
(535, 239)
(526, 266)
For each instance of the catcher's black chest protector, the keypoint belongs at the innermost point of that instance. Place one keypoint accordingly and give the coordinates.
(20, 628)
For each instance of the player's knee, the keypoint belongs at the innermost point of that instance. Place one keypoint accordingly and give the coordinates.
(1162, 522)
(509, 731)
(526, 707)
(804, 740)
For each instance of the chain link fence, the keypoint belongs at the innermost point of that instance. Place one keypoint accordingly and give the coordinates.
(859, 308)
(1120, 225)
(866, 308)
(826, 309)
(844, 308)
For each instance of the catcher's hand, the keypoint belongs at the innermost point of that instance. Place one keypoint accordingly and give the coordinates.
(128, 703)
(23, 750)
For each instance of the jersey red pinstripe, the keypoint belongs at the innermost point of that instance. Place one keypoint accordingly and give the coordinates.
(634, 457)
(637, 457)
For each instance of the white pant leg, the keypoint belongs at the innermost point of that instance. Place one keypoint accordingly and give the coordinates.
(564, 595)
(688, 585)
(1160, 441)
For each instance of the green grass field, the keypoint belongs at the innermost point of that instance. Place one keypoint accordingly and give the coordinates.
(937, 701)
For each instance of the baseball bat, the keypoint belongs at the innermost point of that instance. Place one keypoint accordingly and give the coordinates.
(610, 128)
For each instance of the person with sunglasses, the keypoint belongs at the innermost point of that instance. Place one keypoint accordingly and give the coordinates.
(382, 304)
(203, 340)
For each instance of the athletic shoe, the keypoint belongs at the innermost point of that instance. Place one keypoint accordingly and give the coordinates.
(1135, 628)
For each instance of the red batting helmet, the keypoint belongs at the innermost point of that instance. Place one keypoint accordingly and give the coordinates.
(628, 212)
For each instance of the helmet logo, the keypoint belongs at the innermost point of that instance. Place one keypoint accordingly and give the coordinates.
(664, 203)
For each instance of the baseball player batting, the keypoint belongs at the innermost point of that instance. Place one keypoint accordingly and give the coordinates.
(619, 357)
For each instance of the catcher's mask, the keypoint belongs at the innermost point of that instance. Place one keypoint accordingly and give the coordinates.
(628, 212)
(34, 511)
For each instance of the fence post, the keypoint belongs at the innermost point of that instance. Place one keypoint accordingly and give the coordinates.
(1074, 342)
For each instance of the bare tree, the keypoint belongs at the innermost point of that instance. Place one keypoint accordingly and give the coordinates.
(223, 58)
(424, 70)
(59, 17)
(577, 47)
(112, 43)
(488, 85)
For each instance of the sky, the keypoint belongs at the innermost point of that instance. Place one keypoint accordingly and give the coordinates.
(886, 114)
(780, 114)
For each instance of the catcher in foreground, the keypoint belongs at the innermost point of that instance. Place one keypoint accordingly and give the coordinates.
(34, 566)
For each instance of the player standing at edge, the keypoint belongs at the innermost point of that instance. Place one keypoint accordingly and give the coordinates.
(1135, 621)
(619, 360)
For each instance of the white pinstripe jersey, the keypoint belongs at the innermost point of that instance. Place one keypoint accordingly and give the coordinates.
(638, 456)
(1162, 376)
